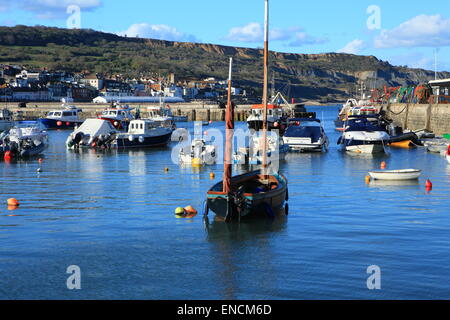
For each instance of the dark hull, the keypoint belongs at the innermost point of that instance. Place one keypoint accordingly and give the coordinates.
(405, 136)
(25, 153)
(53, 123)
(264, 204)
(148, 142)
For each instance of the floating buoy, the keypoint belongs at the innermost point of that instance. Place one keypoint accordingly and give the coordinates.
(7, 155)
(367, 179)
(428, 185)
(212, 175)
(383, 165)
(166, 169)
(196, 162)
(179, 211)
(13, 202)
(210, 121)
(59, 123)
(190, 210)
(40, 160)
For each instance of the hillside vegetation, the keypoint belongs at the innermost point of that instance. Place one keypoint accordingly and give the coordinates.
(325, 77)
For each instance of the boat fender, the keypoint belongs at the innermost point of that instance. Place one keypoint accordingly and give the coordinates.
(287, 194)
(131, 138)
(141, 139)
(286, 209)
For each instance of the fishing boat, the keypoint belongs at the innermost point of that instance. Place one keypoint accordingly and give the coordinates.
(257, 193)
(275, 117)
(92, 133)
(200, 153)
(361, 136)
(305, 135)
(159, 115)
(143, 133)
(119, 116)
(352, 108)
(276, 149)
(67, 118)
(25, 140)
(403, 174)
(6, 120)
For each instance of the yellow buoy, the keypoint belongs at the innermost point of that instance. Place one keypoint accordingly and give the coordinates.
(367, 179)
(166, 169)
(179, 211)
(212, 175)
(196, 162)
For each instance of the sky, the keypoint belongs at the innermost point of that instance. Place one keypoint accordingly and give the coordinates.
(402, 32)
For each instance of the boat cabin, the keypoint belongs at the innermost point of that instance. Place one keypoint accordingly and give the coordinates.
(141, 126)
(118, 114)
(5, 114)
(272, 110)
(69, 114)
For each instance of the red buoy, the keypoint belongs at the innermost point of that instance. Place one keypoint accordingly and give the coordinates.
(40, 160)
(67, 123)
(59, 123)
(383, 165)
(428, 185)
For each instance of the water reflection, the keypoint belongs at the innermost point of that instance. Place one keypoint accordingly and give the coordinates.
(243, 248)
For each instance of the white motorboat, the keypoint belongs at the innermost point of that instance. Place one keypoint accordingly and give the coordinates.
(305, 135)
(27, 139)
(159, 115)
(119, 116)
(92, 133)
(361, 136)
(6, 120)
(200, 153)
(403, 174)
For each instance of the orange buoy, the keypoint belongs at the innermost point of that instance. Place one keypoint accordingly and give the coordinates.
(13, 202)
(383, 165)
(190, 210)
(212, 175)
(367, 179)
(59, 123)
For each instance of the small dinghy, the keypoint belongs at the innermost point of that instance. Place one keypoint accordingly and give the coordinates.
(403, 174)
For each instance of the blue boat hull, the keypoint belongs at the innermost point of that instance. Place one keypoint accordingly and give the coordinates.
(53, 123)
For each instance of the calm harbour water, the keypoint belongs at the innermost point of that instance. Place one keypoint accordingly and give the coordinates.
(111, 213)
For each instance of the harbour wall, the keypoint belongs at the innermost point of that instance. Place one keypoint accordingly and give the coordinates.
(194, 111)
(433, 117)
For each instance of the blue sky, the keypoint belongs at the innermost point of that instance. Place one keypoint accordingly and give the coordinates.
(406, 33)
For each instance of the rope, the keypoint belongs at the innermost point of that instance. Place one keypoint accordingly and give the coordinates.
(395, 113)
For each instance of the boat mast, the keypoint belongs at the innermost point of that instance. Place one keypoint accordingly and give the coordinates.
(229, 127)
(265, 87)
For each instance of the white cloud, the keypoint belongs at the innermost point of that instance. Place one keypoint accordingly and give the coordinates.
(420, 31)
(157, 31)
(353, 47)
(254, 32)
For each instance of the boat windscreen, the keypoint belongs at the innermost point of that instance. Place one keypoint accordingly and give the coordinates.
(312, 132)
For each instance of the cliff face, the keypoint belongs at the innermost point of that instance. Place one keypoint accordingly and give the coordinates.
(326, 77)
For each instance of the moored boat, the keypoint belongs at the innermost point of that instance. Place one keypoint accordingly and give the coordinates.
(305, 135)
(26, 140)
(6, 120)
(143, 133)
(403, 174)
(66, 118)
(257, 193)
(200, 153)
(92, 133)
(119, 116)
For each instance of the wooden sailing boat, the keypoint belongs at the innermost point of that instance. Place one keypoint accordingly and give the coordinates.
(256, 193)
